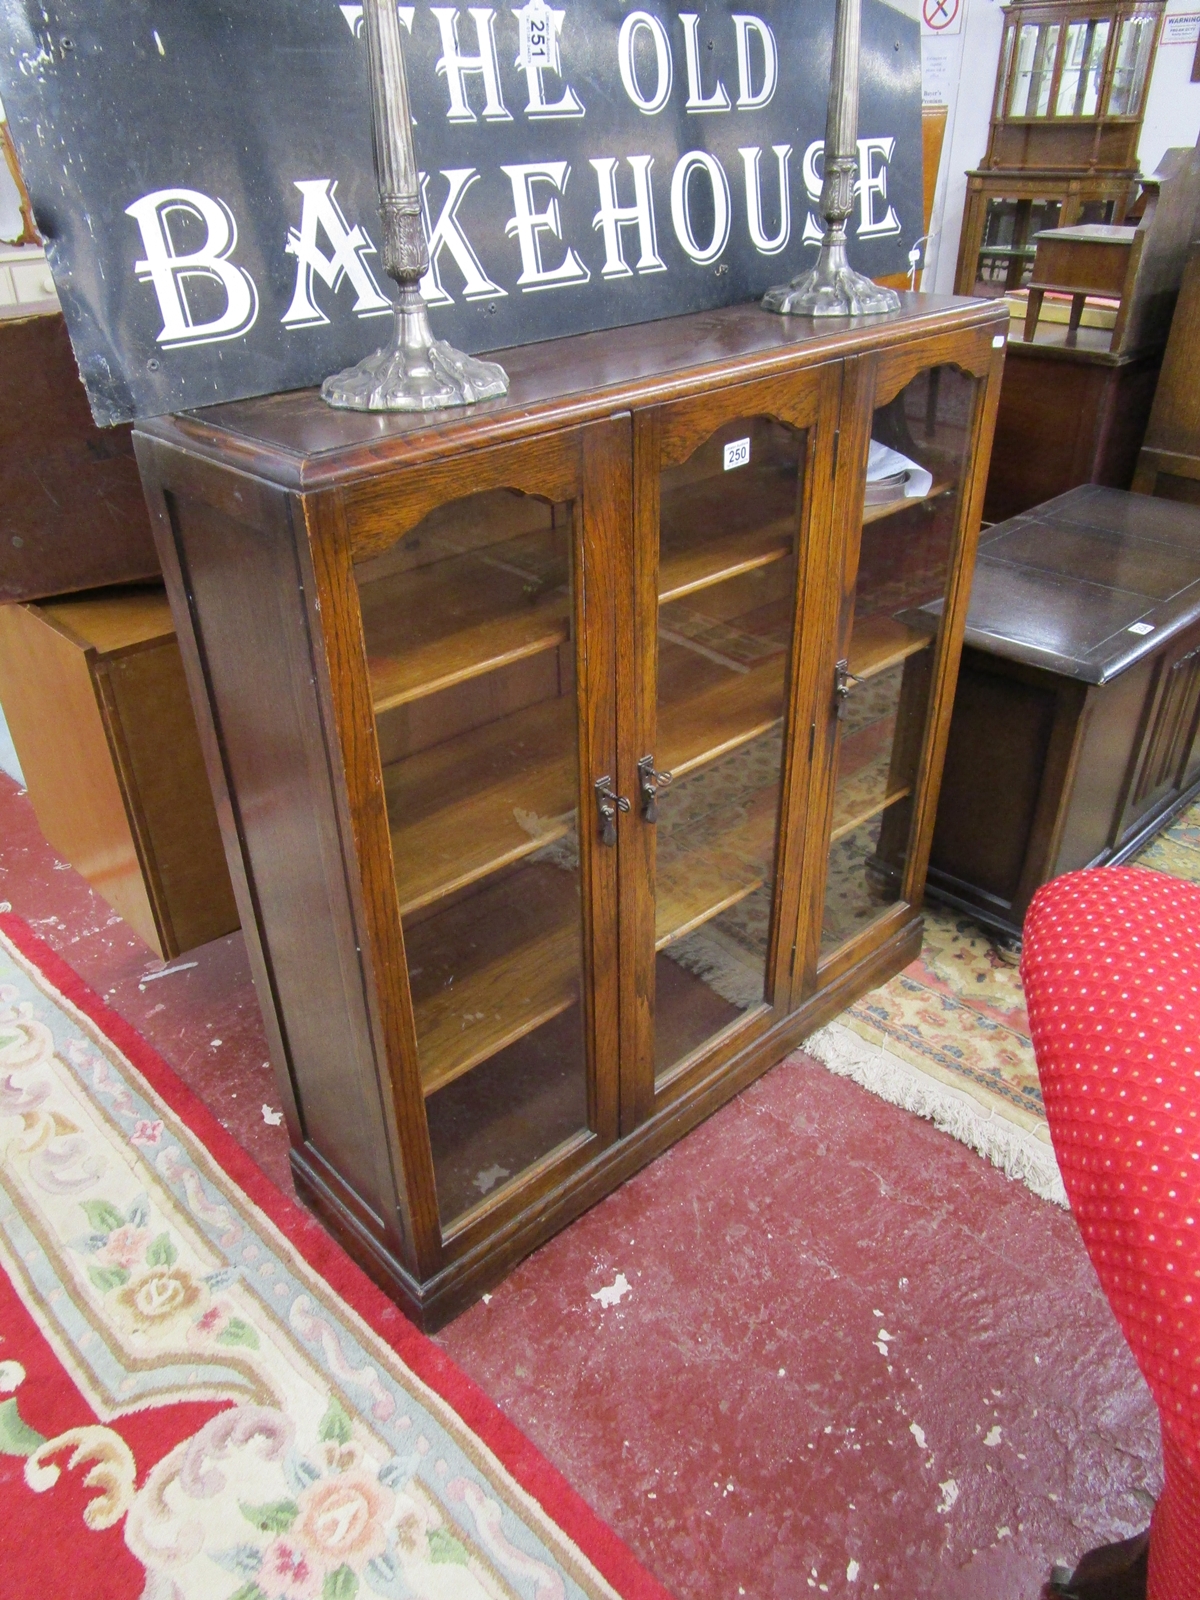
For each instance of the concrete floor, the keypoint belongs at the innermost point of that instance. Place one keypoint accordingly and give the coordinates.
(851, 1358)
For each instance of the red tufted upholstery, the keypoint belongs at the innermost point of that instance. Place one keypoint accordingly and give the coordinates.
(1111, 967)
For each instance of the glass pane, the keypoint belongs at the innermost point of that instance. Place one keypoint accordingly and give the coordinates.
(1129, 70)
(727, 581)
(1034, 71)
(1093, 70)
(1007, 252)
(1005, 59)
(470, 645)
(914, 483)
(1097, 211)
(1083, 68)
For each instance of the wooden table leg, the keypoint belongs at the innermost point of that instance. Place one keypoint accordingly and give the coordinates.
(1032, 313)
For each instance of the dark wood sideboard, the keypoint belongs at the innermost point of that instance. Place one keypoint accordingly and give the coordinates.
(1076, 726)
(72, 512)
(572, 755)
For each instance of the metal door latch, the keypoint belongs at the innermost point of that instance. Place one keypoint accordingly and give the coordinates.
(608, 804)
(843, 681)
(651, 782)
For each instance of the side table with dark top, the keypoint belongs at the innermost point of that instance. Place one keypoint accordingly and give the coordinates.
(1076, 726)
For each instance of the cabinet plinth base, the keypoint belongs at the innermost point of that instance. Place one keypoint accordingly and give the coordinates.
(443, 1297)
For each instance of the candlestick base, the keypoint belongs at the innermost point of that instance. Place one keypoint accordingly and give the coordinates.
(416, 372)
(831, 289)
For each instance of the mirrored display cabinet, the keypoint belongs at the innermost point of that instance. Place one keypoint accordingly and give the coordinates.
(576, 754)
(1066, 118)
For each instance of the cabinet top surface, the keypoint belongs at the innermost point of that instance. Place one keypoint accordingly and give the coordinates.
(296, 439)
(1089, 233)
(1088, 583)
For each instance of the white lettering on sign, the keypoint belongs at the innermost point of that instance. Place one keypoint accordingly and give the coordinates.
(539, 52)
(697, 161)
(750, 155)
(354, 19)
(814, 231)
(527, 225)
(1182, 28)
(635, 23)
(697, 100)
(320, 211)
(871, 183)
(737, 454)
(448, 235)
(456, 67)
(611, 217)
(171, 269)
(750, 98)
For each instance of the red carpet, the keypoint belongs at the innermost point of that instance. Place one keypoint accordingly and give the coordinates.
(201, 1397)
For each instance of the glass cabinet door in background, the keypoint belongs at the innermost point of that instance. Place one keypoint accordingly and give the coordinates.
(732, 502)
(919, 455)
(471, 622)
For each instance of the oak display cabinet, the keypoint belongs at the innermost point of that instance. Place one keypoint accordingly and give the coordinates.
(1067, 115)
(576, 754)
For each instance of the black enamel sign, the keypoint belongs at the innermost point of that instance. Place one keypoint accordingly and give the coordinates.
(202, 172)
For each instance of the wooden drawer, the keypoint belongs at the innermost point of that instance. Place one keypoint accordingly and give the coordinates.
(94, 694)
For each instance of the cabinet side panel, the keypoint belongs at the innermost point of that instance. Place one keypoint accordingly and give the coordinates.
(999, 738)
(154, 724)
(1108, 749)
(248, 614)
(52, 710)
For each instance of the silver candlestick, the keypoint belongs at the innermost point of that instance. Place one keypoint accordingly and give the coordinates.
(415, 372)
(833, 288)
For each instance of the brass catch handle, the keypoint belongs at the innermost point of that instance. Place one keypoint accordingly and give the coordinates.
(607, 805)
(651, 782)
(843, 681)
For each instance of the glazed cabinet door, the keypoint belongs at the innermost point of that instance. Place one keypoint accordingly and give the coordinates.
(484, 585)
(728, 490)
(913, 461)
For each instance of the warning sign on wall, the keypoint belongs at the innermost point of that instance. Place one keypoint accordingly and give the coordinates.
(941, 16)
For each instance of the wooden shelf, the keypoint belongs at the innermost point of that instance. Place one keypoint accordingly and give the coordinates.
(874, 513)
(845, 821)
(481, 801)
(697, 728)
(879, 642)
(864, 792)
(700, 883)
(429, 627)
(697, 566)
(485, 799)
(864, 785)
(492, 968)
(495, 966)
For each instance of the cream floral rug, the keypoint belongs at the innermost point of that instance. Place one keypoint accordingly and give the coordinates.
(949, 1036)
(201, 1397)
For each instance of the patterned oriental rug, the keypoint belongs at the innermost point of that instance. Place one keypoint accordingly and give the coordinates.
(201, 1397)
(949, 1038)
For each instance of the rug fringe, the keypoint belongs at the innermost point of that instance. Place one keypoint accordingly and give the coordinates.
(1018, 1154)
(722, 964)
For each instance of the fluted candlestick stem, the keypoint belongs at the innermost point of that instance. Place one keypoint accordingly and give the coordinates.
(833, 288)
(415, 372)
